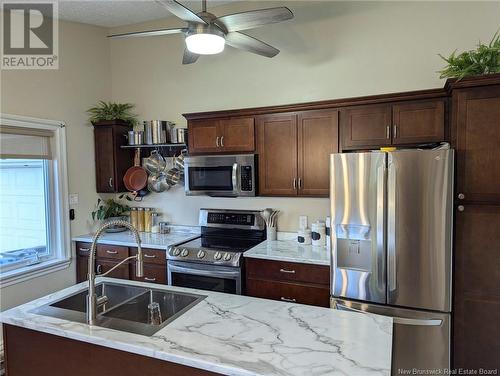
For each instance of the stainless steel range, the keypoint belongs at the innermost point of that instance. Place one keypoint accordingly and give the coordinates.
(214, 261)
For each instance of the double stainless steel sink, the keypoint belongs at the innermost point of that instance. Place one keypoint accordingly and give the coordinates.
(129, 308)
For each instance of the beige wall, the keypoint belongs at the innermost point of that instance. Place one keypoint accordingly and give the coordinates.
(330, 50)
(83, 78)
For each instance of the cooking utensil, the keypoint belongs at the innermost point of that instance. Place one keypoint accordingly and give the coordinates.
(155, 163)
(179, 160)
(160, 131)
(135, 177)
(148, 132)
(135, 137)
(158, 183)
(178, 135)
(173, 176)
(266, 214)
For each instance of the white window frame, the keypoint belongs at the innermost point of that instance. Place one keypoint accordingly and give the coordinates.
(59, 205)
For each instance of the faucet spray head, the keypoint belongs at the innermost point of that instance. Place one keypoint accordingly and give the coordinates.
(139, 265)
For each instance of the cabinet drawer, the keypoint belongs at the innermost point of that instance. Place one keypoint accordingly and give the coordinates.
(112, 251)
(152, 256)
(83, 249)
(104, 265)
(289, 292)
(288, 271)
(152, 274)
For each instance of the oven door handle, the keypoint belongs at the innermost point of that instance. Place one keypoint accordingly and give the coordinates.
(235, 178)
(208, 273)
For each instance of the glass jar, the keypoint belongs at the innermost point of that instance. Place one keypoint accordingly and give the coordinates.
(148, 219)
(140, 219)
(134, 217)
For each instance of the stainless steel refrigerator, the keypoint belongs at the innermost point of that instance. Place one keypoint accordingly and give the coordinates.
(391, 244)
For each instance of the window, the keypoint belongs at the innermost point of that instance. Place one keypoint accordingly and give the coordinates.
(34, 226)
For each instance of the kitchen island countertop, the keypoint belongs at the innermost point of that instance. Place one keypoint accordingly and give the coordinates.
(239, 335)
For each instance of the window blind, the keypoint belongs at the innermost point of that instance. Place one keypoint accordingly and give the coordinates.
(25, 143)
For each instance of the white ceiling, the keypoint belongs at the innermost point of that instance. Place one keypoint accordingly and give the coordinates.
(112, 13)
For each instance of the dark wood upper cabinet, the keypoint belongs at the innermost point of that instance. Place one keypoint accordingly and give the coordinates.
(317, 139)
(476, 134)
(111, 161)
(277, 149)
(366, 126)
(203, 136)
(418, 122)
(237, 135)
(221, 135)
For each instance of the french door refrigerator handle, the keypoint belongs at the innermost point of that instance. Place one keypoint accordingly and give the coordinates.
(391, 227)
(397, 319)
(380, 222)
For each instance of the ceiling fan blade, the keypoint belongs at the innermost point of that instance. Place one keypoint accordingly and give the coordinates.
(250, 44)
(180, 11)
(189, 57)
(254, 18)
(149, 33)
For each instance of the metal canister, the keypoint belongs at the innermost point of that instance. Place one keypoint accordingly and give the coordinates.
(159, 131)
(178, 135)
(148, 132)
(148, 219)
(138, 137)
(131, 137)
(133, 217)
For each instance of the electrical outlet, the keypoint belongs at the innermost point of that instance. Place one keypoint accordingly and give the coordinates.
(73, 198)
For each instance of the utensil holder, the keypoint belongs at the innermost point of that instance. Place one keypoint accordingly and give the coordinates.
(271, 233)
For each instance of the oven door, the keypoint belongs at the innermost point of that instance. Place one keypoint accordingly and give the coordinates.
(204, 277)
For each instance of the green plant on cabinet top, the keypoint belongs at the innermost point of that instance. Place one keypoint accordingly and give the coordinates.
(106, 111)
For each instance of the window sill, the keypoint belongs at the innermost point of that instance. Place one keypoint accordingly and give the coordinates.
(32, 271)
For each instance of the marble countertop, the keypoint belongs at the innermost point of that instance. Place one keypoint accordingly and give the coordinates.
(239, 335)
(286, 248)
(148, 240)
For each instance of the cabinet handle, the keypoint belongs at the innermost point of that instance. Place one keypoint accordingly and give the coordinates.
(395, 131)
(110, 182)
(217, 141)
(287, 271)
(111, 252)
(388, 132)
(461, 208)
(461, 196)
(99, 269)
(290, 300)
(84, 249)
(294, 183)
(222, 141)
(149, 279)
(149, 256)
(300, 183)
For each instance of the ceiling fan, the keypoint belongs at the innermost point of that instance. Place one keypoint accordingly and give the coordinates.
(206, 34)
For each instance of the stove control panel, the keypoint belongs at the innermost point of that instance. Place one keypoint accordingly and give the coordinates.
(205, 255)
(231, 219)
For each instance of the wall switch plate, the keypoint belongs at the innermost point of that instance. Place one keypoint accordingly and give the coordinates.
(73, 198)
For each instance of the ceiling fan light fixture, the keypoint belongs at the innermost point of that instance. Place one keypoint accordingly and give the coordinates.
(205, 43)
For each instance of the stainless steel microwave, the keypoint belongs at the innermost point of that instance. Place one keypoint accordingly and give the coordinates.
(220, 175)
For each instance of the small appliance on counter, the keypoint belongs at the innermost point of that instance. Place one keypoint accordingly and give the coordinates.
(391, 236)
(220, 175)
(215, 260)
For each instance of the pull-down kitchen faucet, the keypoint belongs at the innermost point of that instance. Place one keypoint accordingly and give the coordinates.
(93, 302)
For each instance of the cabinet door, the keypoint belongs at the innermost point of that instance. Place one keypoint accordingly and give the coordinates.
(477, 287)
(103, 265)
(476, 134)
(317, 139)
(152, 273)
(104, 159)
(277, 148)
(204, 136)
(82, 268)
(418, 122)
(237, 134)
(366, 126)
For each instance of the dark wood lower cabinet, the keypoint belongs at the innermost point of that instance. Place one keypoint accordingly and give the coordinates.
(288, 281)
(32, 353)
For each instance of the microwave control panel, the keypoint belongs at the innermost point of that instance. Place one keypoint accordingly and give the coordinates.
(246, 178)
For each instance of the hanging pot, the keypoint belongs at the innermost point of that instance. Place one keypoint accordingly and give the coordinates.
(158, 183)
(155, 163)
(135, 177)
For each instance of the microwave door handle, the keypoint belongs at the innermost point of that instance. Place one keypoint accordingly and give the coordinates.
(208, 273)
(235, 178)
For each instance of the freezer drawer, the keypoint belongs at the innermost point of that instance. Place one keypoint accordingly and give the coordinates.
(421, 339)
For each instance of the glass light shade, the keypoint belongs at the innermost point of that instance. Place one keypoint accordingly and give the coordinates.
(205, 44)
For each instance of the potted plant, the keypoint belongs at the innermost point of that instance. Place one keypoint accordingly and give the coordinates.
(107, 210)
(485, 59)
(107, 113)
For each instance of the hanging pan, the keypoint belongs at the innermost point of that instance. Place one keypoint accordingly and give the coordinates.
(136, 178)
